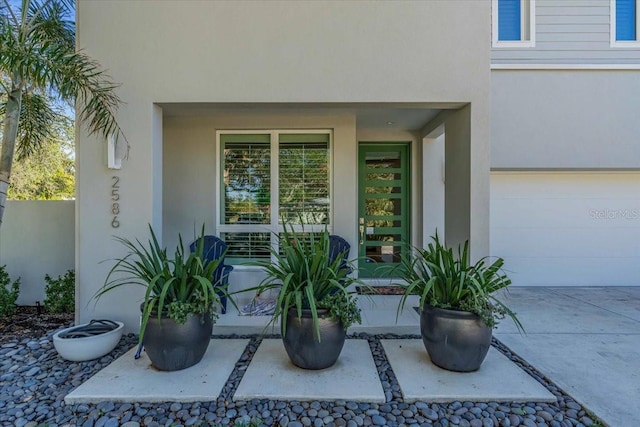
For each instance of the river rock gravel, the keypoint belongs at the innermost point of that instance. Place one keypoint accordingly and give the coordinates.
(34, 381)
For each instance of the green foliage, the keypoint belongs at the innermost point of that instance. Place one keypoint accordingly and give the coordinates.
(38, 54)
(39, 67)
(253, 422)
(308, 279)
(446, 280)
(342, 307)
(60, 293)
(9, 293)
(49, 172)
(176, 286)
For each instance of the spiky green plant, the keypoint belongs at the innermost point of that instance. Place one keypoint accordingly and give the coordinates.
(39, 63)
(176, 286)
(447, 280)
(307, 278)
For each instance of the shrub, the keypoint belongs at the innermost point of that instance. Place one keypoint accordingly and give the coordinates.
(60, 293)
(8, 293)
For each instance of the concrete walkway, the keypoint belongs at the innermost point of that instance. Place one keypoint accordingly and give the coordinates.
(587, 341)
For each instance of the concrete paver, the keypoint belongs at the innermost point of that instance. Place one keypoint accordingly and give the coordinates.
(130, 380)
(271, 375)
(498, 379)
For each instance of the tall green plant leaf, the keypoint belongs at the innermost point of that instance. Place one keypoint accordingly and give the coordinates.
(449, 281)
(174, 286)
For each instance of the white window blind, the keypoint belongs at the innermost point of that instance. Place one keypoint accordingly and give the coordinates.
(247, 179)
(267, 178)
(304, 178)
(626, 20)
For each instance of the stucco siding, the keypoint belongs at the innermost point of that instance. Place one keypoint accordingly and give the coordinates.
(565, 119)
(37, 238)
(300, 51)
(252, 54)
(569, 32)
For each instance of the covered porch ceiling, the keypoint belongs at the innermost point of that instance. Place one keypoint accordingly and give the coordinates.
(391, 116)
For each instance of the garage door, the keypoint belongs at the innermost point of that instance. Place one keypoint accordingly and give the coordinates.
(567, 228)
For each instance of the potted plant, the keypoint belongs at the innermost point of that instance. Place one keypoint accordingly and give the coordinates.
(178, 310)
(313, 304)
(457, 302)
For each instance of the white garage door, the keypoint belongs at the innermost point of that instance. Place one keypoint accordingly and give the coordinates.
(567, 228)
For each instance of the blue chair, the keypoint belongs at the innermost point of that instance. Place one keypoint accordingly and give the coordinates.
(214, 248)
(338, 247)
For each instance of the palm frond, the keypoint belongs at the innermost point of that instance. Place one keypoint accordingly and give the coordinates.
(37, 121)
(41, 54)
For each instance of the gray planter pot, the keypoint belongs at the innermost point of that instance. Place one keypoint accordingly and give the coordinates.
(172, 347)
(455, 340)
(301, 343)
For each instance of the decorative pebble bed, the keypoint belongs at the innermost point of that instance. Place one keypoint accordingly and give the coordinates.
(34, 381)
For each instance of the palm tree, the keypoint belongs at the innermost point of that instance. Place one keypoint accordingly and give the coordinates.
(39, 67)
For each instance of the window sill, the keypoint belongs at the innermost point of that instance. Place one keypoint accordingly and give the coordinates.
(633, 44)
(513, 44)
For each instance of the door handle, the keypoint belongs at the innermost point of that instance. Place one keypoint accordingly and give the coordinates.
(361, 228)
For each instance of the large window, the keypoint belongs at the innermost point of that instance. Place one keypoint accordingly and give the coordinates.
(624, 23)
(268, 178)
(514, 23)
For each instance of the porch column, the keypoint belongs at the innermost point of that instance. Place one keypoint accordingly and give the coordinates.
(433, 186)
(467, 156)
(116, 202)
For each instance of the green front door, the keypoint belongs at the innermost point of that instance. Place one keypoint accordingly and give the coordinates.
(383, 206)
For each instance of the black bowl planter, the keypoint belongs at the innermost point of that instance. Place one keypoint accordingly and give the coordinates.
(171, 346)
(301, 343)
(455, 340)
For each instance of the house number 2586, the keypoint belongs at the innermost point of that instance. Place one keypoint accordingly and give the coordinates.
(115, 201)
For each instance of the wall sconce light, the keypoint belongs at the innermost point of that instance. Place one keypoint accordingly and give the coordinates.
(114, 159)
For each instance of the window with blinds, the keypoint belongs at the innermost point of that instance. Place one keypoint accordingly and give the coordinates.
(247, 179)
(268, 179)
(509, 20)
(304, 178)
(626, 20)
(242, 247)
(513, 23)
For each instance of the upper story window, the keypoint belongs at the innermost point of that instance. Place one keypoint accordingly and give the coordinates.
(514, 23)
(267, 178)
(625, 15)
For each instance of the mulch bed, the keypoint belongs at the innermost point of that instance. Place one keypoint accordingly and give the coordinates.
(30, 322)
(379, 290)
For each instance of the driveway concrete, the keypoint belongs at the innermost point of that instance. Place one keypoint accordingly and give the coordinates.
(586, 340)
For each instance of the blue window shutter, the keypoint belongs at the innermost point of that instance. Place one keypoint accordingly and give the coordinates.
(626, 20)
(509, 24)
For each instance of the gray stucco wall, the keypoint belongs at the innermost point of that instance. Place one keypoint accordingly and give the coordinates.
(565, 119)
(264, 52)
(37, 238)
(570, 32)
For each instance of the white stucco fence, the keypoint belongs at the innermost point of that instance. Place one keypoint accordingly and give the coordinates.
(37, 238)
